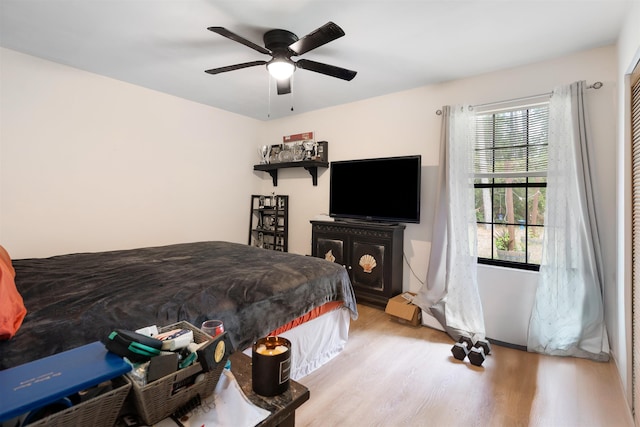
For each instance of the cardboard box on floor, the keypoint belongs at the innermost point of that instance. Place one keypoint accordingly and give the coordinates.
(402, 309)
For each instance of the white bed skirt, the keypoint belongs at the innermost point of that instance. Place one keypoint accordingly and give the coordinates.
(316, 342)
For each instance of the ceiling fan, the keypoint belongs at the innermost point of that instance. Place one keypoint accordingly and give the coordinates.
(282, 45)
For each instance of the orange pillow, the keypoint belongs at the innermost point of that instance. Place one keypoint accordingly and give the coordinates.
(12, 309)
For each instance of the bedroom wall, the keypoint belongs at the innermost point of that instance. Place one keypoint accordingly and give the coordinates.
(406, 123)
(89, 163)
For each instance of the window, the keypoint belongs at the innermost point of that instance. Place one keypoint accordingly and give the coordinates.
(510, 182)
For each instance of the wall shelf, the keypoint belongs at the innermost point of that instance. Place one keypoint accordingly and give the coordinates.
(310, 165)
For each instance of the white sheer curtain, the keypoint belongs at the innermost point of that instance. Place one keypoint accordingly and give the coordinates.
(567, 317)
(450, 293)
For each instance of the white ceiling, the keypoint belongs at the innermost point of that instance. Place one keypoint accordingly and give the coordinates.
(393, 44)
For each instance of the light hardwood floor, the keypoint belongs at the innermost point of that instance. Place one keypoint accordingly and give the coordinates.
(393, 374)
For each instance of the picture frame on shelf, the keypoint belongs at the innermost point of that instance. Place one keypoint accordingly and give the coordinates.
(322, 151)
(274, 156)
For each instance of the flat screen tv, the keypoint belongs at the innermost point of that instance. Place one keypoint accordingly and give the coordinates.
(382, 189)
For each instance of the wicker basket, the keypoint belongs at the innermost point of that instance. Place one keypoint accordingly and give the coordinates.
(100, 411)
(161, 398)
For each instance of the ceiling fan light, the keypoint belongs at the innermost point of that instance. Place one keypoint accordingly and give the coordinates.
(281, 70)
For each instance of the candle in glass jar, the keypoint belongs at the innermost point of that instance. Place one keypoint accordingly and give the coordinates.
(262, 349)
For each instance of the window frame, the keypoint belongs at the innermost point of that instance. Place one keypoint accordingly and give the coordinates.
(527, 185)
(504, 263)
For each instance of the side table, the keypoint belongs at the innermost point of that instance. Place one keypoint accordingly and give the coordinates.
(282, 407)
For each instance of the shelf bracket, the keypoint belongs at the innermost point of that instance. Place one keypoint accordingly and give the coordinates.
(274, 176)
(310, 165)
(313, 170)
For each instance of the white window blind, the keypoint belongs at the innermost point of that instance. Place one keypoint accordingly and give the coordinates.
(512, 143)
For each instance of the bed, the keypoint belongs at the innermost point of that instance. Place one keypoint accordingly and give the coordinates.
(76, 299)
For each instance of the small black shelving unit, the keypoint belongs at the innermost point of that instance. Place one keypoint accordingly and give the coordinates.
(269, 222)
(310, 165)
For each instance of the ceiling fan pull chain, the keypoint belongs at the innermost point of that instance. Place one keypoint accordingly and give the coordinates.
(269, 83)
(291, 92)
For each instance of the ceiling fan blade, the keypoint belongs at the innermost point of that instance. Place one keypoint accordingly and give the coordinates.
(284, 86)
(323, 35)
(235, 67)
(329, 70)
(236, 38)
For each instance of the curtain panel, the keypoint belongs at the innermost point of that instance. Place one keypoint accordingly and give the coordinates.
(450, 293)
(568, 317)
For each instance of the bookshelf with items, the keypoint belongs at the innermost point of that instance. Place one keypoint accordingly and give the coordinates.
(269, 222)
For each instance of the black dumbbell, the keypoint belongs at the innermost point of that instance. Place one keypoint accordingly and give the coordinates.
(479, 352)
(461, 349)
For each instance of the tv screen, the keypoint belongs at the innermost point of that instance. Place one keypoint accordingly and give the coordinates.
(383, 189)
